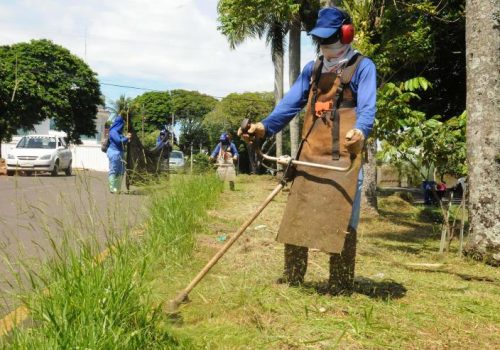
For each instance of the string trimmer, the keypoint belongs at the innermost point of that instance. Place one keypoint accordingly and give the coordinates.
(172, 307)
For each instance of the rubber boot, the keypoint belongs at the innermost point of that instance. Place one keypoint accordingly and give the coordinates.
(119, 180)
(112, 182)
(342, 266)
(231, 185)
(295, 265)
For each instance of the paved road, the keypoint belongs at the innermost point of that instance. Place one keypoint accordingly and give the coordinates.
(34, 208)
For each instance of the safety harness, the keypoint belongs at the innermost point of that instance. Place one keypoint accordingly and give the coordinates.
(331, 108)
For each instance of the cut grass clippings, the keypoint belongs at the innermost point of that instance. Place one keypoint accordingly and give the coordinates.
(407, 295)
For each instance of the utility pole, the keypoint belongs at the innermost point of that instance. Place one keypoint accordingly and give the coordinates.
(142, 110)
(191, 157)
(173, 123)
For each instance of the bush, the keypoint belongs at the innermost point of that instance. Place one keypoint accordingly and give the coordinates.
(201, 163)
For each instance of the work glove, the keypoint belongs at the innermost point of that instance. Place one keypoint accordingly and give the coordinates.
(256, 130)
(354, 141)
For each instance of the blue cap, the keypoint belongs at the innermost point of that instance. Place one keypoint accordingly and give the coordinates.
(329, 21)
(224, 137)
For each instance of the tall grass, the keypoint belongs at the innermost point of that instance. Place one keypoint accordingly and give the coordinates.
(176, 212)
(80, 302)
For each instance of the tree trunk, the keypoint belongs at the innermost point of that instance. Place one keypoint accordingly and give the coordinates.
(294, 71)
(369, 193)
(278, 96)
(483, 123)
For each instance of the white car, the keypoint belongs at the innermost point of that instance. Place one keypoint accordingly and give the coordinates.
(39, 153)
(176, 161)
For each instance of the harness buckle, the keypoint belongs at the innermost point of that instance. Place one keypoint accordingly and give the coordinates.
(322, 107)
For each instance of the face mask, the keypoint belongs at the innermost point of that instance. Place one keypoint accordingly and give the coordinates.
(334, 50)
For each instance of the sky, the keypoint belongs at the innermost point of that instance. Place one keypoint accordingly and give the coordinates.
(151, 44)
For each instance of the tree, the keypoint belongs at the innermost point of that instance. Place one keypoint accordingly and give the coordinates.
(483, 97)
(41, 80)
(190, 108)
(262, 18)
(407, 39)
(229, 113)
(273, 19)
(153, 111)
(125, 107)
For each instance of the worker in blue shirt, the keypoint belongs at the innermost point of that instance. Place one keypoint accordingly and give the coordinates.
(339, 93)
(115, 154)
(225, 154)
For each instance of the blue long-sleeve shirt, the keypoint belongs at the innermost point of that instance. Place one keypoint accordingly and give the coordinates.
(363, 84)
(216, 151)
(116, 139)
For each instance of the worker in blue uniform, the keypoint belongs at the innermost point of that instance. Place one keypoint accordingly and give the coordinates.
(339, 93)
(115, 154)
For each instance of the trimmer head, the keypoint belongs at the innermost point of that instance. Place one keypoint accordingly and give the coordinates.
(172, 307)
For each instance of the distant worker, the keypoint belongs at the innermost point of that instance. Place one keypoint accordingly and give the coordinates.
(225, 154)
(441, 190)
(162, 149)
(163, 144)
(115, 154)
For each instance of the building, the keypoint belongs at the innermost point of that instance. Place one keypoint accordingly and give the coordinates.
(88, 155)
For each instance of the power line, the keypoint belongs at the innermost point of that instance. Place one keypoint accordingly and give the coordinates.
(156, 90)
(131, 87)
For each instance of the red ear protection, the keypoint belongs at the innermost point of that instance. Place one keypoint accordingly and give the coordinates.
(347, 29)
(346, 33)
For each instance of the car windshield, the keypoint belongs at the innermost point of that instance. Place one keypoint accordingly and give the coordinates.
(41, 142)
(177, 155)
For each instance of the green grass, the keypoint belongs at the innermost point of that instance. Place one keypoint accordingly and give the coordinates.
(75, 302)
(407, 296)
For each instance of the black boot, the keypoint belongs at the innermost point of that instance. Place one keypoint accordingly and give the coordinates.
(295, 265)
(342, 266)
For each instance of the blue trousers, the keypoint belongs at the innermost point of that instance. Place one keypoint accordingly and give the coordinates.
(356, 205)
(116, 164)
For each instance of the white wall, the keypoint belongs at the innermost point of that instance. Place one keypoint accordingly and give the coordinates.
(89, 157)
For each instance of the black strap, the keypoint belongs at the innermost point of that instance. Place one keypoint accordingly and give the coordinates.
(345, 79)
(336, 123)
(316, 75)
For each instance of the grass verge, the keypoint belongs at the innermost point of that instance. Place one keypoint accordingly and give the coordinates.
(77, 302)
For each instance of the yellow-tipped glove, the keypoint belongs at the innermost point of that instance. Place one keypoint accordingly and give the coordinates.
(354, 141)
(257, 130)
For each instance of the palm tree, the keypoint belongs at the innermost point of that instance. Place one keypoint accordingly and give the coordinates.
(258, 23)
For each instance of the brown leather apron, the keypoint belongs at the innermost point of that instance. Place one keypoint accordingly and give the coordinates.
(225, 165)
(320, 201)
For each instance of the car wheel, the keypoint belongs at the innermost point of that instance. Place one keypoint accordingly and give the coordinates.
(11, 172)
(55, 170)
(28, 173)
(69, 169)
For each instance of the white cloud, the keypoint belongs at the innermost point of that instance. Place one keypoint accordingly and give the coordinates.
(170, 43)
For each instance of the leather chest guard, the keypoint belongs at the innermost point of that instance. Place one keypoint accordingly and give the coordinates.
(320, 201)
